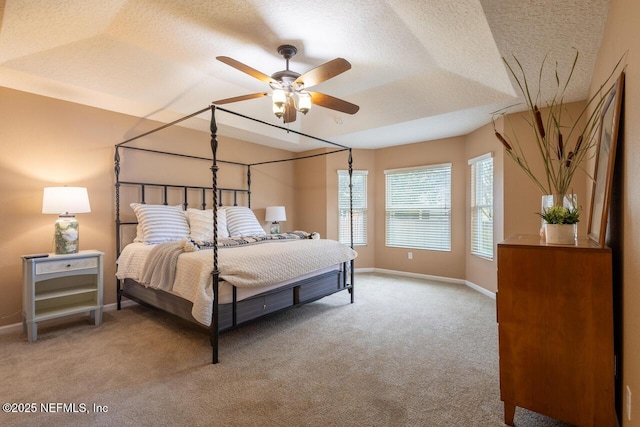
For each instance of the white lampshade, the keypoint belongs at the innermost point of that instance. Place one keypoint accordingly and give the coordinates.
(279, 97)
(279, 102)
(65, 200)
(275, 214)
(304, 102)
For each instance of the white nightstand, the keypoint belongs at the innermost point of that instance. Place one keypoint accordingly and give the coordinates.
(60, 285)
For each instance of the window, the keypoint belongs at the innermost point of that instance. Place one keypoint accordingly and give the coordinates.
(482, 206)
(418, 207)
(359, 181)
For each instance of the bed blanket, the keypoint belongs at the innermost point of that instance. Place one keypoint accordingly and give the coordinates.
(160, 267)
(159, 270)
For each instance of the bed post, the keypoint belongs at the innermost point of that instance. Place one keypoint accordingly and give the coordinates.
(214, 330)
(249, 185)
(116, 161)
(351, 220)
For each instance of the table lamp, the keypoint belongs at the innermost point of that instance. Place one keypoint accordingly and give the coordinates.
(275, 214)
(66, 201)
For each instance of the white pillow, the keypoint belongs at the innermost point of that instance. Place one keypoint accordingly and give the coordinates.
(139, 233)
(201, 224)
(161, 223)
(241, 221)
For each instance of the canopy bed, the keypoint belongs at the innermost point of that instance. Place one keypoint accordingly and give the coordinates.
(214, 265)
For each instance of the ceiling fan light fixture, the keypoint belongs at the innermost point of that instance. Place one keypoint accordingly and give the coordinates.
(304, 102)
(278, 110)
(279, 102)
(279, 97)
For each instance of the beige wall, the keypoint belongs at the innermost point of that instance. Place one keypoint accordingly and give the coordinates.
(49, 142)
(317, 195)
(621, 35)
(362, 160)
(478, 270)
(449, 264)
(310, 184)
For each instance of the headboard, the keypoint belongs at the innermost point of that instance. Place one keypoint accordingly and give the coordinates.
(187, 195)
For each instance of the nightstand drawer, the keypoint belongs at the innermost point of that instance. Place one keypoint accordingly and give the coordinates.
(66, 265)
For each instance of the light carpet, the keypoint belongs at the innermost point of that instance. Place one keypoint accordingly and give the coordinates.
(408, 352)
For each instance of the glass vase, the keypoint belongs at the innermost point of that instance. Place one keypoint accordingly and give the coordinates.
(564, 200)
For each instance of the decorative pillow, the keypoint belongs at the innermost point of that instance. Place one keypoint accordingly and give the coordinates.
(241, 221)
(201, 224)
(139, 234)
(161, 223)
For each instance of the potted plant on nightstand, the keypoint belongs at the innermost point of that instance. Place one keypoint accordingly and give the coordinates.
(561, 224)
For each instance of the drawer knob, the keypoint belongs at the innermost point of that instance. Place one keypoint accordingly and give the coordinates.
(68, 265)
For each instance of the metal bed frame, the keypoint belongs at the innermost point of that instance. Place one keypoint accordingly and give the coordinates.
(227, 316)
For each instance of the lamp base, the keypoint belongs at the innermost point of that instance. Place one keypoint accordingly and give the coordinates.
(275, 228)
(66, 235)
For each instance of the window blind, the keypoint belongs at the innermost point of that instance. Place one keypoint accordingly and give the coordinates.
(482, 206)
(418, 207)
(359, 181)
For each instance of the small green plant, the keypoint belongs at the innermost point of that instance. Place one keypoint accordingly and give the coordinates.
(560, 215)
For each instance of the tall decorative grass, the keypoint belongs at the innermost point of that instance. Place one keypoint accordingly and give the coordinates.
(562, 148)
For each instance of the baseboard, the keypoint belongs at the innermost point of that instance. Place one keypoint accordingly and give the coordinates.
(480, 289)
(17, 327)
(419, 276)
(472, 285)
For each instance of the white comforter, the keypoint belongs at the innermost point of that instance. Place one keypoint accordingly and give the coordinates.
(246, 266)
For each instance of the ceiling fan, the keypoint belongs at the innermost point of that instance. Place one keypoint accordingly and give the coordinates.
(290, 89)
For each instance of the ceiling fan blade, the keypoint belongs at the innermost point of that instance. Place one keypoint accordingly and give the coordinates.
(246, 69)
(324, 72)
(290, 111)
(333, 103)
(240, 98)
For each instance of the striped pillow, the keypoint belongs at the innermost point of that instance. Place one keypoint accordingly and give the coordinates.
(201, 224)
(242, 222)
(161, 223)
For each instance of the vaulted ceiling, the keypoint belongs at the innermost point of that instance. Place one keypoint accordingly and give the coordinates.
(421, 69)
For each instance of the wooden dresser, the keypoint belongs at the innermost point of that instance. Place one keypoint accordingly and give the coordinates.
(555, 326)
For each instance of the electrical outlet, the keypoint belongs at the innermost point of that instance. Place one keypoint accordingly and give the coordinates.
(410, 255)
(628, 403)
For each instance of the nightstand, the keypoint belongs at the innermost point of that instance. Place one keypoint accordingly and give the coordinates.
(60, 285)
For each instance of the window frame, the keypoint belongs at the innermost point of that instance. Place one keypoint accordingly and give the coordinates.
(478, 245)
(360, 232)
(424, 212)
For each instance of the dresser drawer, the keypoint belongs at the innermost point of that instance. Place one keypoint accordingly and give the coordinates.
(66, 265)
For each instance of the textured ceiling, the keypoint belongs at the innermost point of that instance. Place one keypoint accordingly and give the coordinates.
(421, 69)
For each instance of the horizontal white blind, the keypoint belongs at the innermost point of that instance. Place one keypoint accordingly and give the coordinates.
(418, 207)
(482, 207)
(359, 181)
